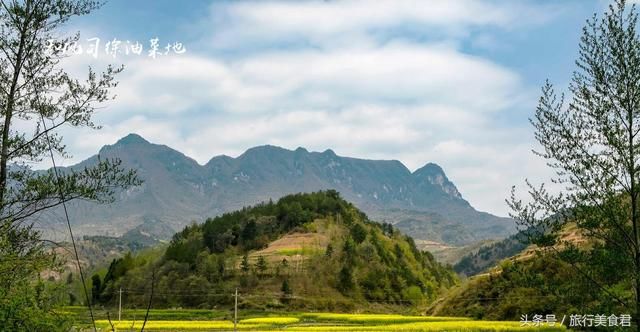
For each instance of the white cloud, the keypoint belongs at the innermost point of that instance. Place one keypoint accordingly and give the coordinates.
(340, 85)
(339, 23)
(294, 80)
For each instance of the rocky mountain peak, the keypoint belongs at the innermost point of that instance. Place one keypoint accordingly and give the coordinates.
(434, 174)
(132, 139)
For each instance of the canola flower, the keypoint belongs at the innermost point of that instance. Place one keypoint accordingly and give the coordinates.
(333, 322)
(378, 318)
(271, 320)
(466, 326)
(174, 325)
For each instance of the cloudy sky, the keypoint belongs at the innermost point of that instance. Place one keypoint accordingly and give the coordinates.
(450, 82)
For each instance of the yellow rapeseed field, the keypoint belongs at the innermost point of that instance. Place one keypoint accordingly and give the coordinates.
(378, 318)
(331, 322)
(271, 320)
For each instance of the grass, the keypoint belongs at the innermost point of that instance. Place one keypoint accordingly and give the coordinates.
(81, 314)
(194, 320)
(376, 319)
(298, 251)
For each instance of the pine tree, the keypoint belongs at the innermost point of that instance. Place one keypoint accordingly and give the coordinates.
(345, 280)
(261, 265)
(245, 266)
(286, 291)
(96, 288)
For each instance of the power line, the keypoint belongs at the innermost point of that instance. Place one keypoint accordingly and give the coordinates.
(317, 297)
(235, 312)
(271, 295)
(66, 214)
(120, 304)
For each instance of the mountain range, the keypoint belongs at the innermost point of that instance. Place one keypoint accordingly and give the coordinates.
(177, 191)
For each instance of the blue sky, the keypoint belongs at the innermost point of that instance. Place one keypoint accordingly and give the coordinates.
(450, 82)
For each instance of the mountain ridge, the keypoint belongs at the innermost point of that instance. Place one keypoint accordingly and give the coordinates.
(266, 172)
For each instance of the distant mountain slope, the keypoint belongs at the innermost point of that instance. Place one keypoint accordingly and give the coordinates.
(177, 190)
(490, 255)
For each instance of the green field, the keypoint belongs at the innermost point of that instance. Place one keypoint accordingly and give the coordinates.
(212, 320)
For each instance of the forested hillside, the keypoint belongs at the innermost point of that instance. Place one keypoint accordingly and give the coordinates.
(490, 255)
(513, 276)
(541, 285)
(304, 251)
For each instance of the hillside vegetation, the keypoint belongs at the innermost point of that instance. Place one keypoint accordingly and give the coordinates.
(561, 279)
(542, 285)
(490, 255)
(313, 251)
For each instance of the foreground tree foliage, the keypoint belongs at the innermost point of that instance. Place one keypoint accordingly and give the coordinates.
(592, 144)
(26, 302)
(37, 99)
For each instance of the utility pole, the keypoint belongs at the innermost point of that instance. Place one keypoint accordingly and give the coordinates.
(235, 313)
(120, 305)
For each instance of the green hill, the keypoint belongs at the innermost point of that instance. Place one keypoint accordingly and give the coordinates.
(539, 285)
(490, 255)
(564, 279)
(305, 251)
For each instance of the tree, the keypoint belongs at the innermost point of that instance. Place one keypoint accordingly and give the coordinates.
(261, 265)
(398, 252)
(358, 233)
(387, 229)
(249, 232)
(221, 266)
(244, 265)
(37, 100)
(283, 266)
(96, 288)
(592, 145)
(286, 291)
(413, 294)
(117, 269)
(294, 215)
(345, 280)
(349, 249)
(22, 257)
(34, 89)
